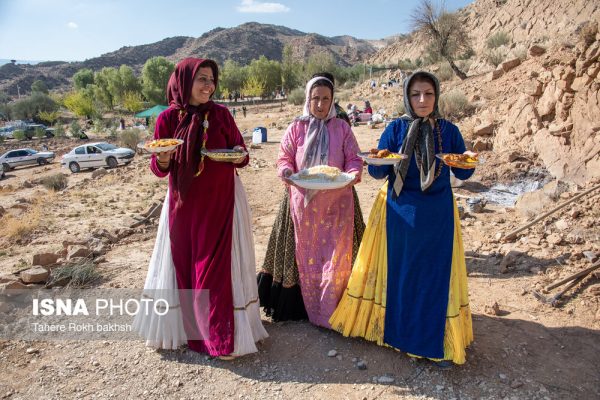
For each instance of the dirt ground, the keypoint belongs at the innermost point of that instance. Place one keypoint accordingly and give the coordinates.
(522, 350)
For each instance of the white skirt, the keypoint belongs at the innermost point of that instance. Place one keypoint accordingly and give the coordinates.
(167, 331)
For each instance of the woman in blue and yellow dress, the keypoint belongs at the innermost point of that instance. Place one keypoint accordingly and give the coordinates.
(408, 287)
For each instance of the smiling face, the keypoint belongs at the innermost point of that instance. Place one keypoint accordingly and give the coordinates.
(203, 86)
(422, 98)
(320, 101)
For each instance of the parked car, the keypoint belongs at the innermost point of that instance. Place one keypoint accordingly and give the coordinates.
(28, 128)
(95, 155)
(20, 157)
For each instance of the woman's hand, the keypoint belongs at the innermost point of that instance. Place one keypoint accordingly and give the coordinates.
(354, 181)
(242, 158)
(163, 159)
(285, 177)
(471, 154)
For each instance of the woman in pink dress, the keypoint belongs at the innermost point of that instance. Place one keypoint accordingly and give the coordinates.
(323, 219)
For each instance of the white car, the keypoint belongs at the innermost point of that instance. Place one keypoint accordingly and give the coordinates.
(19, 157)
(96, 155)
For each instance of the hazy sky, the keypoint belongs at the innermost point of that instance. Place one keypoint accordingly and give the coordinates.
(74, 30)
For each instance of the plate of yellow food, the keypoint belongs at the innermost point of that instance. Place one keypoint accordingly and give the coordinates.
(381, 157)
(321, 177)
(463, 161)
(161, 145)
(224, 155)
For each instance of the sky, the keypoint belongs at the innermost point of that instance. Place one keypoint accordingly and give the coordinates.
(75, 30)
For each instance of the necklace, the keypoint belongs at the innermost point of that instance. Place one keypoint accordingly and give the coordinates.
(418, 154)
(203, 149)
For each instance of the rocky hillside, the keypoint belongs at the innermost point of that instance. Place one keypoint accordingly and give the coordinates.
(525, 21)
(242, 43)
(539, 108)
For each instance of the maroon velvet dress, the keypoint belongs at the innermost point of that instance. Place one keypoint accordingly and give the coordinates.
(200, 224)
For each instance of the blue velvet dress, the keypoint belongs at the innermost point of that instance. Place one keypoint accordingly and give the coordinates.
(420, 233)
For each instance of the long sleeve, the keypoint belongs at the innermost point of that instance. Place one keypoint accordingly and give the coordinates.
(162, 130)
(352, 162)
(387, 141)
(286, 159)
(458, 147)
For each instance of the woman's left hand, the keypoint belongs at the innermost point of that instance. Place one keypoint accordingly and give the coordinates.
(471, 154)
(353, 181)
(242, 158)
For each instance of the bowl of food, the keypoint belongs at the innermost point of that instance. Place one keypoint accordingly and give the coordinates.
(161, 145)
(224, 155)
(381, 157)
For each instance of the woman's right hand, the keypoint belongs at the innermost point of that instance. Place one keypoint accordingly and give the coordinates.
(163, 159)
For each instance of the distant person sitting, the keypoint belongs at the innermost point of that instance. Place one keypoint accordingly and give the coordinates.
(368, 108)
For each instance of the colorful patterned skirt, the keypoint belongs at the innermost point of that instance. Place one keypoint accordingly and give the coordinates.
(278, 279)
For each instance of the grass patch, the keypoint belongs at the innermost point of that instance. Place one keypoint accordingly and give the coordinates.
(498, 39)
(454, 105)
(13, 228)
(79, 273)
(55, 182)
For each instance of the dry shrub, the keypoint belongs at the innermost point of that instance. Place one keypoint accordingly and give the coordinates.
(495, 56)
(587, 34)
(78, 273)
(130, 138)
(296, 97)
(15, 228)
(55, 182)
(498, 39)
(445, 72)
(454, 105)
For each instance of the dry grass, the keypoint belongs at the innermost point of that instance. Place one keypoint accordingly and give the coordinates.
(14, 228)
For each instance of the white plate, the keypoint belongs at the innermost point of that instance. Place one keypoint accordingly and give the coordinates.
(159, 149)
(224, 155)
(340, 181)
(380, 161)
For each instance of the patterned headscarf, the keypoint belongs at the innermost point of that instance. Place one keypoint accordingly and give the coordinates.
(419, 139)
(189, 128)
(316, 143)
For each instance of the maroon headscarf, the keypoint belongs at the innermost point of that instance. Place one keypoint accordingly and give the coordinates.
(189, 128)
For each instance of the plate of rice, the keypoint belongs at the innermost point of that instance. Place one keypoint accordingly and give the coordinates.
(321, 177)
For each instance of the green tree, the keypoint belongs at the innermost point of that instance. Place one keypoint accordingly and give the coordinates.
(39, 86)
(83, 78)
(445, 32)
(231, 77)
(104, 86)
(80, 104)
(319, 62)
(253, 87)
(49, 117)
(129, 82)
(30, 107)
(155, 76)
(266, 71)
(290, 70)
(133, 102)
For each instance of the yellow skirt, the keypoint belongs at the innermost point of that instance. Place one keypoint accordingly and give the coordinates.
(361, 311)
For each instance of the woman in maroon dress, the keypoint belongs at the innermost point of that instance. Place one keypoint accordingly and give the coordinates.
(201, 204)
